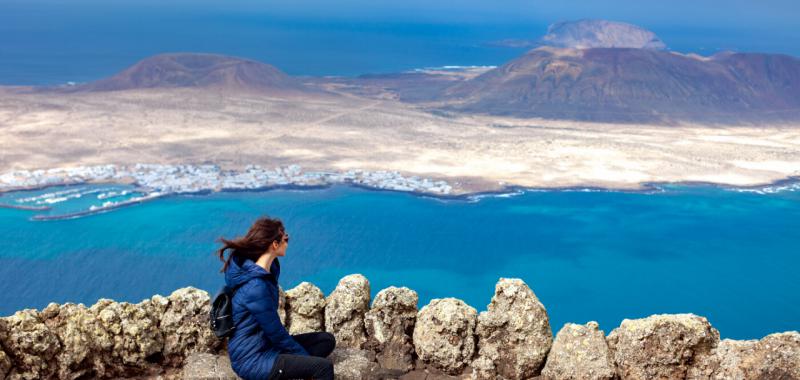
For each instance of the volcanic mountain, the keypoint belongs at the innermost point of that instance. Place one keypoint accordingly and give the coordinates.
(624, 84)
(583, 34)
(198, 70)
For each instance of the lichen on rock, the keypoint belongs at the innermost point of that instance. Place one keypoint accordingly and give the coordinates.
(185, 325)
(282, 305)
(5, 364)
(124, 336)
(580, 352)
(776, 356)
(353, 364)
(390, 327)
(513, 333)
(32, 345)
(170, 338)
(73, 325)
(344, 311)
(444, 336)
(661, 346)
(305, 309)
(723, 362)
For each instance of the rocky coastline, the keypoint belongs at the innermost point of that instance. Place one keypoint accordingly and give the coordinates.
(154, 181)
(387, 337)
(179, 179)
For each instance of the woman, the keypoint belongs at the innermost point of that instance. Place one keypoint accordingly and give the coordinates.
(260, 347)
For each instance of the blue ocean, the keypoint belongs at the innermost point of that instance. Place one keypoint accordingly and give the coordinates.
(729, 255)
(50, 42)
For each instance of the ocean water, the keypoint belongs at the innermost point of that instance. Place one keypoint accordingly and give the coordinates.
(588, 255)
(45, 42)
(59, 43)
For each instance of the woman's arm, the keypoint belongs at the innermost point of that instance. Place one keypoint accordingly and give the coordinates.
(260, 303)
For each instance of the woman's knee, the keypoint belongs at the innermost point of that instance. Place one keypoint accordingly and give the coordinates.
(326, 342)
(330, 337)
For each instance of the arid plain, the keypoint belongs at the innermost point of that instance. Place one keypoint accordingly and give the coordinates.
(40, 130)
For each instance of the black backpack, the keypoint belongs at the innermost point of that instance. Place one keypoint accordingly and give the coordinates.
(222, 312)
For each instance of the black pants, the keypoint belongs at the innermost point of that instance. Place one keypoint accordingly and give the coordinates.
(319, 345)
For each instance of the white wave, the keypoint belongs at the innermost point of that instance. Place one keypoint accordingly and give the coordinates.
(51, 198)
(451, 68)
(113, 194)
(773, 189)
(55, 194)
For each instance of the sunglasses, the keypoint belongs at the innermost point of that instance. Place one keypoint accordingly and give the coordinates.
(286, 238)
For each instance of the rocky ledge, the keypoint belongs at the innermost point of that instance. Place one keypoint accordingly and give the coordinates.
(169, 338)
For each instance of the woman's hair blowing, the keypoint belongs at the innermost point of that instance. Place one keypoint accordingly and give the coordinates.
(262, 233)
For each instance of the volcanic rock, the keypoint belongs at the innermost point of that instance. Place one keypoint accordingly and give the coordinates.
(305, 309)
(661, 346)
(580, 352)
(513, 334)
(444, 336)
(208, 366)
(776, 356)
(32, 345)
(390, 327)
(344, 311)
(185, 325)
(353, 364)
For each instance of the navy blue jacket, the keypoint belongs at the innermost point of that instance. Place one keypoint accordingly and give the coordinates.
(259, 336)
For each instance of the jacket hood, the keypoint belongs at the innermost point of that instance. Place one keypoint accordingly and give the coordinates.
(242, 270)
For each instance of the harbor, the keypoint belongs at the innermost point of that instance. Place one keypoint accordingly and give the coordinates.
(153, 181)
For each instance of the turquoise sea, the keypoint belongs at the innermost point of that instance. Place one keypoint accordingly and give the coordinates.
(588, 255)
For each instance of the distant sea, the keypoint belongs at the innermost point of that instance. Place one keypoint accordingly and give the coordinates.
(51, 43)
(588, 255)
(59, 44)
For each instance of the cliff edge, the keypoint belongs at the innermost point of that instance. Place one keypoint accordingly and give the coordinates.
(169, 338)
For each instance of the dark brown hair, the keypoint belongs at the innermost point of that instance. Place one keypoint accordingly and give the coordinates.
(262, 233)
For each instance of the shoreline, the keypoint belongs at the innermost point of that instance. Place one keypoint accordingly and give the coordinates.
(644, 187)
(507, 190)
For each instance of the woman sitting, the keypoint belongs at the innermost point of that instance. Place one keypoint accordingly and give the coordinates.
(260, 347)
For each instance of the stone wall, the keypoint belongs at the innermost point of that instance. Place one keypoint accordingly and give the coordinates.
(389, 338)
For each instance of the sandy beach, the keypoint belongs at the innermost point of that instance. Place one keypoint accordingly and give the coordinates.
(473, 153)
